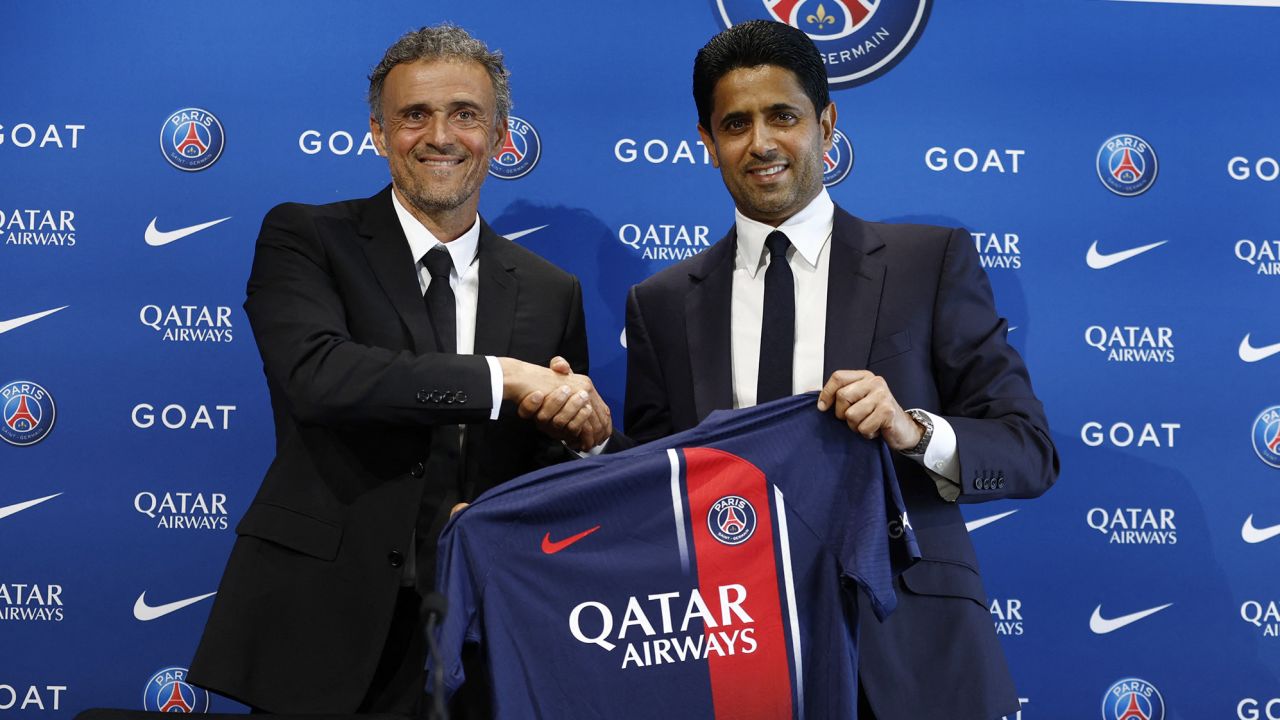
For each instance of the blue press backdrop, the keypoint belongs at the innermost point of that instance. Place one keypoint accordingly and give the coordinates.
(993, 121)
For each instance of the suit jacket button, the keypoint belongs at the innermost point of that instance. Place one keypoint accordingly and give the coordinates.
(448, 397)
(977, 484)
(436, 396)
(396, 558)
(422, 396)
(461, 396)
(418, 470)
(1000, 483)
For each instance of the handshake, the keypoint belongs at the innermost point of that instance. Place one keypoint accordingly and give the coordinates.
(563, 404)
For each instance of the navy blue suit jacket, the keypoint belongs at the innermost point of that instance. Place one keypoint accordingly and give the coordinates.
(912, 304)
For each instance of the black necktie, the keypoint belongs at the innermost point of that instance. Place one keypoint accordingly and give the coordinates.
(778, 327)
(440, 303)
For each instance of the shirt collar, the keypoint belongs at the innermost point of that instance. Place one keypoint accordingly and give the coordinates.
(463, 250)
(808, 230)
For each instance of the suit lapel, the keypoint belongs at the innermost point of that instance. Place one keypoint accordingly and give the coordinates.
(496, 304)
(854, 284)
(707, 315)
(392, 262)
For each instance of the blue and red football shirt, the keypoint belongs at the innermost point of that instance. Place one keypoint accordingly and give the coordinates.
(709, 575)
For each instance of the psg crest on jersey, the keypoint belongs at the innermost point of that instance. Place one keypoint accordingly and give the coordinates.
(1127, 165)
(731, 520)
(27, 413)
(1266, 436)
(519, 153)
(859, 40)
(1132, 699)
(168, 691)
(838, 161)
(192, 139)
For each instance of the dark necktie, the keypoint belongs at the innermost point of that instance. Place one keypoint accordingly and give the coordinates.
(778, 327)
(439, 297)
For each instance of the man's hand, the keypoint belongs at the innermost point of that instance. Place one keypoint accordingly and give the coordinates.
(564, 405)
(862, 399)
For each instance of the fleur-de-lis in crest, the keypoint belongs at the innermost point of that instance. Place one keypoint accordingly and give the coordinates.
(821, 18)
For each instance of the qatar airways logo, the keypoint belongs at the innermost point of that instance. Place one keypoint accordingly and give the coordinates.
(665, 241)
(30, 602)
(593, 623)
(1261, 255)
(1263, 615)
(42, 227)
(998, 250)
(1132, 343)
(1007, 616)
(183, 510)
(189, 323)
(1134, 525)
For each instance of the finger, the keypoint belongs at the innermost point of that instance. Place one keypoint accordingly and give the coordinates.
(529, 404)
(838, 379)
(553, 404)
(875, 422)
(850, 395)
(570, 410)
(561, 366)
(458, 508)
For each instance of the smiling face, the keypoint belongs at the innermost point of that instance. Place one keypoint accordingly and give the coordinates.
(768, 141)
(439, 130)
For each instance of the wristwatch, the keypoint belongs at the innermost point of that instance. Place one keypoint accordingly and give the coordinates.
(922, 418)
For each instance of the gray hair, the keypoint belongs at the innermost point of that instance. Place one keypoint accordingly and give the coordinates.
(444, 41)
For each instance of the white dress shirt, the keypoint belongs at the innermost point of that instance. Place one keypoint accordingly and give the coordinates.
(464, 280)
(810, 259)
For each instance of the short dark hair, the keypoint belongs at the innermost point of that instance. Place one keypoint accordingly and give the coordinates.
(441, 42)
(752, 44)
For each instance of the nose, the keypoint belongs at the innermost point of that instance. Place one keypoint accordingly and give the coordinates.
(763, 143)
(438, 133)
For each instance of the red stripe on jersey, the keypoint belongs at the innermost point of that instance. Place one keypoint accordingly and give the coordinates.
(753, 684)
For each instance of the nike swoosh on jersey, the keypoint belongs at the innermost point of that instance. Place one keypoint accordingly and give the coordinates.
(1254, 535)
(1098, 261)
(551, 548)
(522, 233)
(145, 612)
(982, 522)
(1101, 626)
(8, 510)
(156, 238)
(1251, 354)
(7, 325)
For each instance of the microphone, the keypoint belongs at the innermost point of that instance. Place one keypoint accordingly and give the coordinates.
(434, 607)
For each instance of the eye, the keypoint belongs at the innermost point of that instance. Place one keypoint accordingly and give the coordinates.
(787, 117)
(735, 124)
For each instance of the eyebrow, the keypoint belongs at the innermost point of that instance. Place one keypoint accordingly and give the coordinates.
(776, 107)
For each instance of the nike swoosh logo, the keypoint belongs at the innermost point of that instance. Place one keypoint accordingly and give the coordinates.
(145, 612)
(1101, 626)
(7, 325)
(1098, 261)
(517, 235)
(1254, 535)
(8, 510)
(1248, 352)
(156, 238)
(551, 548)
(982, 522)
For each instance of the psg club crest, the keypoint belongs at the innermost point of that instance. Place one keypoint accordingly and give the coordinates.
(1266, 436)
(860, 40)
(168, 691)
(519, 153)
(1127, 165)
(838, 161)
(1132, 699)
(731, 520)
(27, 413)
(192, 139)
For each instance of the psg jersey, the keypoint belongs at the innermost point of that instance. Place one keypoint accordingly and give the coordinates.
(707, 575)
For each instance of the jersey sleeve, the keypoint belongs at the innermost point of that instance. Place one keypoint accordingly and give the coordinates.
(459, 578)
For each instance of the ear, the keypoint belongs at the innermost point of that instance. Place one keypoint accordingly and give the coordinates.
(499, 137)
(828, 121)
(375, 131)
(709, 144)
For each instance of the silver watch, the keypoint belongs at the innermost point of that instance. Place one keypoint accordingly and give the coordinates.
(925, 422)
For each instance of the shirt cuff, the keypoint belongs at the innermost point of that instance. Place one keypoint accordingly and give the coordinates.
(495, 385)
(941, 459)
(587, 453)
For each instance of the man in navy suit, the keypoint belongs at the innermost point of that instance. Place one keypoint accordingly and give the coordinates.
(801, 295)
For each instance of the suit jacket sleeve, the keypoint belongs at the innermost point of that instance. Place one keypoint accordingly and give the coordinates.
(1002, 434)
(648, 410)
(299, 310)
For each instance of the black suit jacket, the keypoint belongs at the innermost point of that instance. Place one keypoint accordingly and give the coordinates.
(356, 389)
(912, 304)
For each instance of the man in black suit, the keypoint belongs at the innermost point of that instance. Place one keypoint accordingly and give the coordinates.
(891, 316)
(393, 332)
